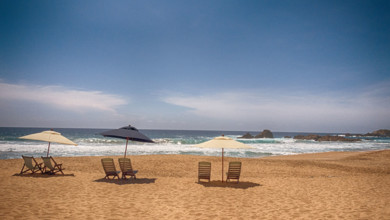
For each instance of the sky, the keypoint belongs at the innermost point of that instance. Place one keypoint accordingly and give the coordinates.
(309, 66)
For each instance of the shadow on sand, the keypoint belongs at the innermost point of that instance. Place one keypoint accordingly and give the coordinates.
(43, 175)
(127, 181)
(240, 185)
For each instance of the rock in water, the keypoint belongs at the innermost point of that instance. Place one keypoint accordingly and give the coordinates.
(380, 133)
(316, 137)
(308, 137)
(265, 134)
(247, 136)
(337, 138)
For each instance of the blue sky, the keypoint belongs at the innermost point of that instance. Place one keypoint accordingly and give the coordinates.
(212, 65)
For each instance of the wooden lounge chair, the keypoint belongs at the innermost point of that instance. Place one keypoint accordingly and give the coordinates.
(204, 171)
(234, 171)
(109, 168)
(49, 168)
(126, 168)
(31, 165)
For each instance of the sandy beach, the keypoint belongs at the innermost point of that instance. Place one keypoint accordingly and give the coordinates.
(335, 185)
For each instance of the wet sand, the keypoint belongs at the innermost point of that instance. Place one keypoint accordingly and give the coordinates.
(334, 185)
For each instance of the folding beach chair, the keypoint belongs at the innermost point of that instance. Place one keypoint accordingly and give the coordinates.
(126, 168)
(49, 168)
(234, 171)
(204, 170)
(109, 168)
(31, 165)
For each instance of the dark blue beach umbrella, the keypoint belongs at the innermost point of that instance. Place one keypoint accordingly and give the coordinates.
(128, 133)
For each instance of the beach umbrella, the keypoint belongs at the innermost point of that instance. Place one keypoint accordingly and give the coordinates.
(49, 136)
(128, 133)
(223, 142)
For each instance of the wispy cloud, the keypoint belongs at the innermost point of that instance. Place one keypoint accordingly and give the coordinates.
(244, 105)
(61, 97)
(291, 110)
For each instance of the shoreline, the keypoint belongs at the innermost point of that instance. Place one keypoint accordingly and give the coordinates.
(348, 185)
(286, 156)
(315, 155)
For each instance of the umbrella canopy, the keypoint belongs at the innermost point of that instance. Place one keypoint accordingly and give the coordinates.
(49, 136)
(128, 133)
(223, 142)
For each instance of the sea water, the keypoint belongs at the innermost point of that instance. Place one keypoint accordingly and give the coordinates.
(91, 143)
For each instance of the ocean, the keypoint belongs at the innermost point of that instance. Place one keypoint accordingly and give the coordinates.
(91, 143)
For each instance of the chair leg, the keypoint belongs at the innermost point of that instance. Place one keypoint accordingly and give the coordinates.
(107, 177)
(37, 168)
(21, 172)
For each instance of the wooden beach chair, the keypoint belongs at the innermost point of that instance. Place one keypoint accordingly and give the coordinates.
(204, 170)
(126, 168)
(109, 168)
(31, 165)
(234, 171)
(49, 168)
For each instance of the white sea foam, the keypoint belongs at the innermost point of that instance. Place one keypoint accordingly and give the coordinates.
(176, 142)
(278, 147)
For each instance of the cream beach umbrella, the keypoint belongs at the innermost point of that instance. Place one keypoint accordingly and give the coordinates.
(223, 142)
(49, 136)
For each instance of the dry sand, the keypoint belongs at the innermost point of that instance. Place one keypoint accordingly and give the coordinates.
(337, 185)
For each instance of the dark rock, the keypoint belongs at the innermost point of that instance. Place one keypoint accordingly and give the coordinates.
(353, 135)
(247, 136)
(369, 135)
(316, 137)
(308, 137)
(379, 133)
(313, 137)
(299, 137)
(337, 138)
(265, 134)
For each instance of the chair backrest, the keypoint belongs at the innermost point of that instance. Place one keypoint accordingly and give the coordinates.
(204, 168)
(125, 165)
(108, 165)
(28, 161)
(234, 169)
(47, 162)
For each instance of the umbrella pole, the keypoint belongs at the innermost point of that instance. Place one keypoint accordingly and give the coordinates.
(222, 164)
(48, 148)
(127, 141)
